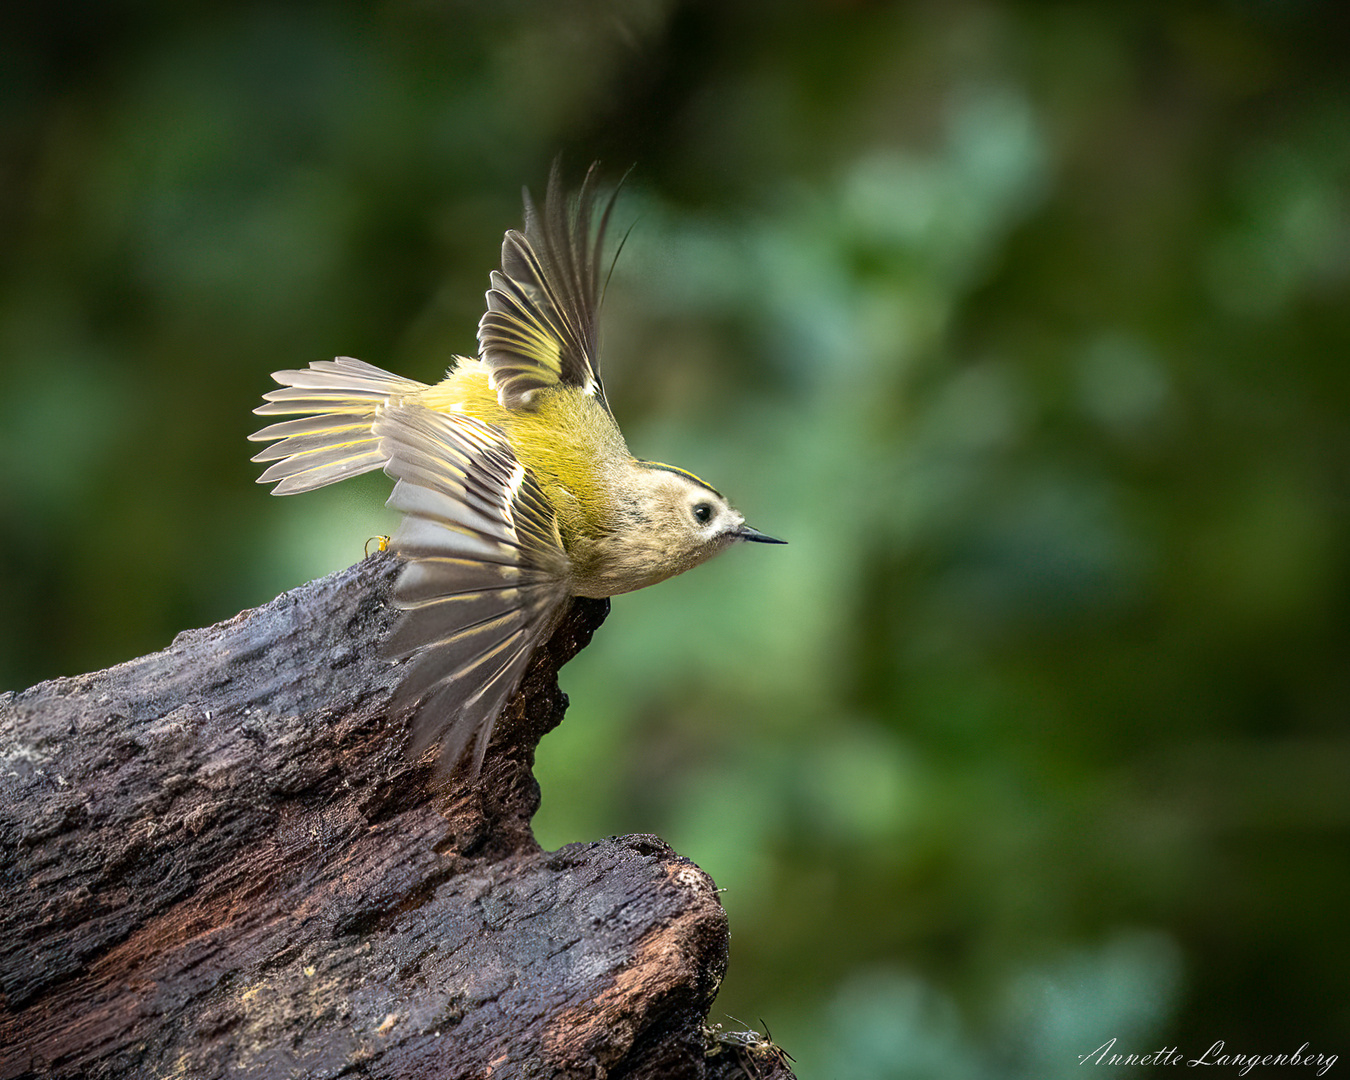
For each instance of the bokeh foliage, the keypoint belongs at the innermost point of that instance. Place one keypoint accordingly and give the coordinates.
(1025, 323)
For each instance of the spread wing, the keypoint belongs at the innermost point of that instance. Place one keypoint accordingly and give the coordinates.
(486, 578)
(540, 326)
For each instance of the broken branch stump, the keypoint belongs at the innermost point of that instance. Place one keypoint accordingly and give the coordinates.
(218, 862)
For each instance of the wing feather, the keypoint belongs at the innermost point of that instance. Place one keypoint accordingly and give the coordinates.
(540, 328)
(488, 700)
(486, 580)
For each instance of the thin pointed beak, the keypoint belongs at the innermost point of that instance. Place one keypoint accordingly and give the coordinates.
(747, 533)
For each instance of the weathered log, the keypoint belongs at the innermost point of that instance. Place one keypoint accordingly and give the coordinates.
(219, 862)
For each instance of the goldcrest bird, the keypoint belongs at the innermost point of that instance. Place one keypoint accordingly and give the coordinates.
(517, 489)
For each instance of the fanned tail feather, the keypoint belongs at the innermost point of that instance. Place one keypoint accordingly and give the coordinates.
(333, 439)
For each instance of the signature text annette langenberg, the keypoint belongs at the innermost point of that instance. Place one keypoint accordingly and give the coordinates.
(1218, 1054)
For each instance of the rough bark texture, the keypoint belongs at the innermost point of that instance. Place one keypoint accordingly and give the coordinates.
(218, 862)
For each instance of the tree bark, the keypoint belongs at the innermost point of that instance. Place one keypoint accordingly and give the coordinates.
(219, 862)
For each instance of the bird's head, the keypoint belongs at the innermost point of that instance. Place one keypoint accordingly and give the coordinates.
(679, 522)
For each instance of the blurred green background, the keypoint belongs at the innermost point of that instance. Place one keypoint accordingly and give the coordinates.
(1025, 323)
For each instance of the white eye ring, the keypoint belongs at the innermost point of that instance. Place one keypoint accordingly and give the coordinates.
(703, 512)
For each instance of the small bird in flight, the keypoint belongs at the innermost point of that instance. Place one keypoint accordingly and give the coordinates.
(517, 489)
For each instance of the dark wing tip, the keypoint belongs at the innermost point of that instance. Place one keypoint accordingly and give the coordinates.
(543, 306)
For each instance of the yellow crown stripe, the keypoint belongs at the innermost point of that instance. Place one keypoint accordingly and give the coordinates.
(682, 472)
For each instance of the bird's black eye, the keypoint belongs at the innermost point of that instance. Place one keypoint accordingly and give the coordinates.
(703, 512)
